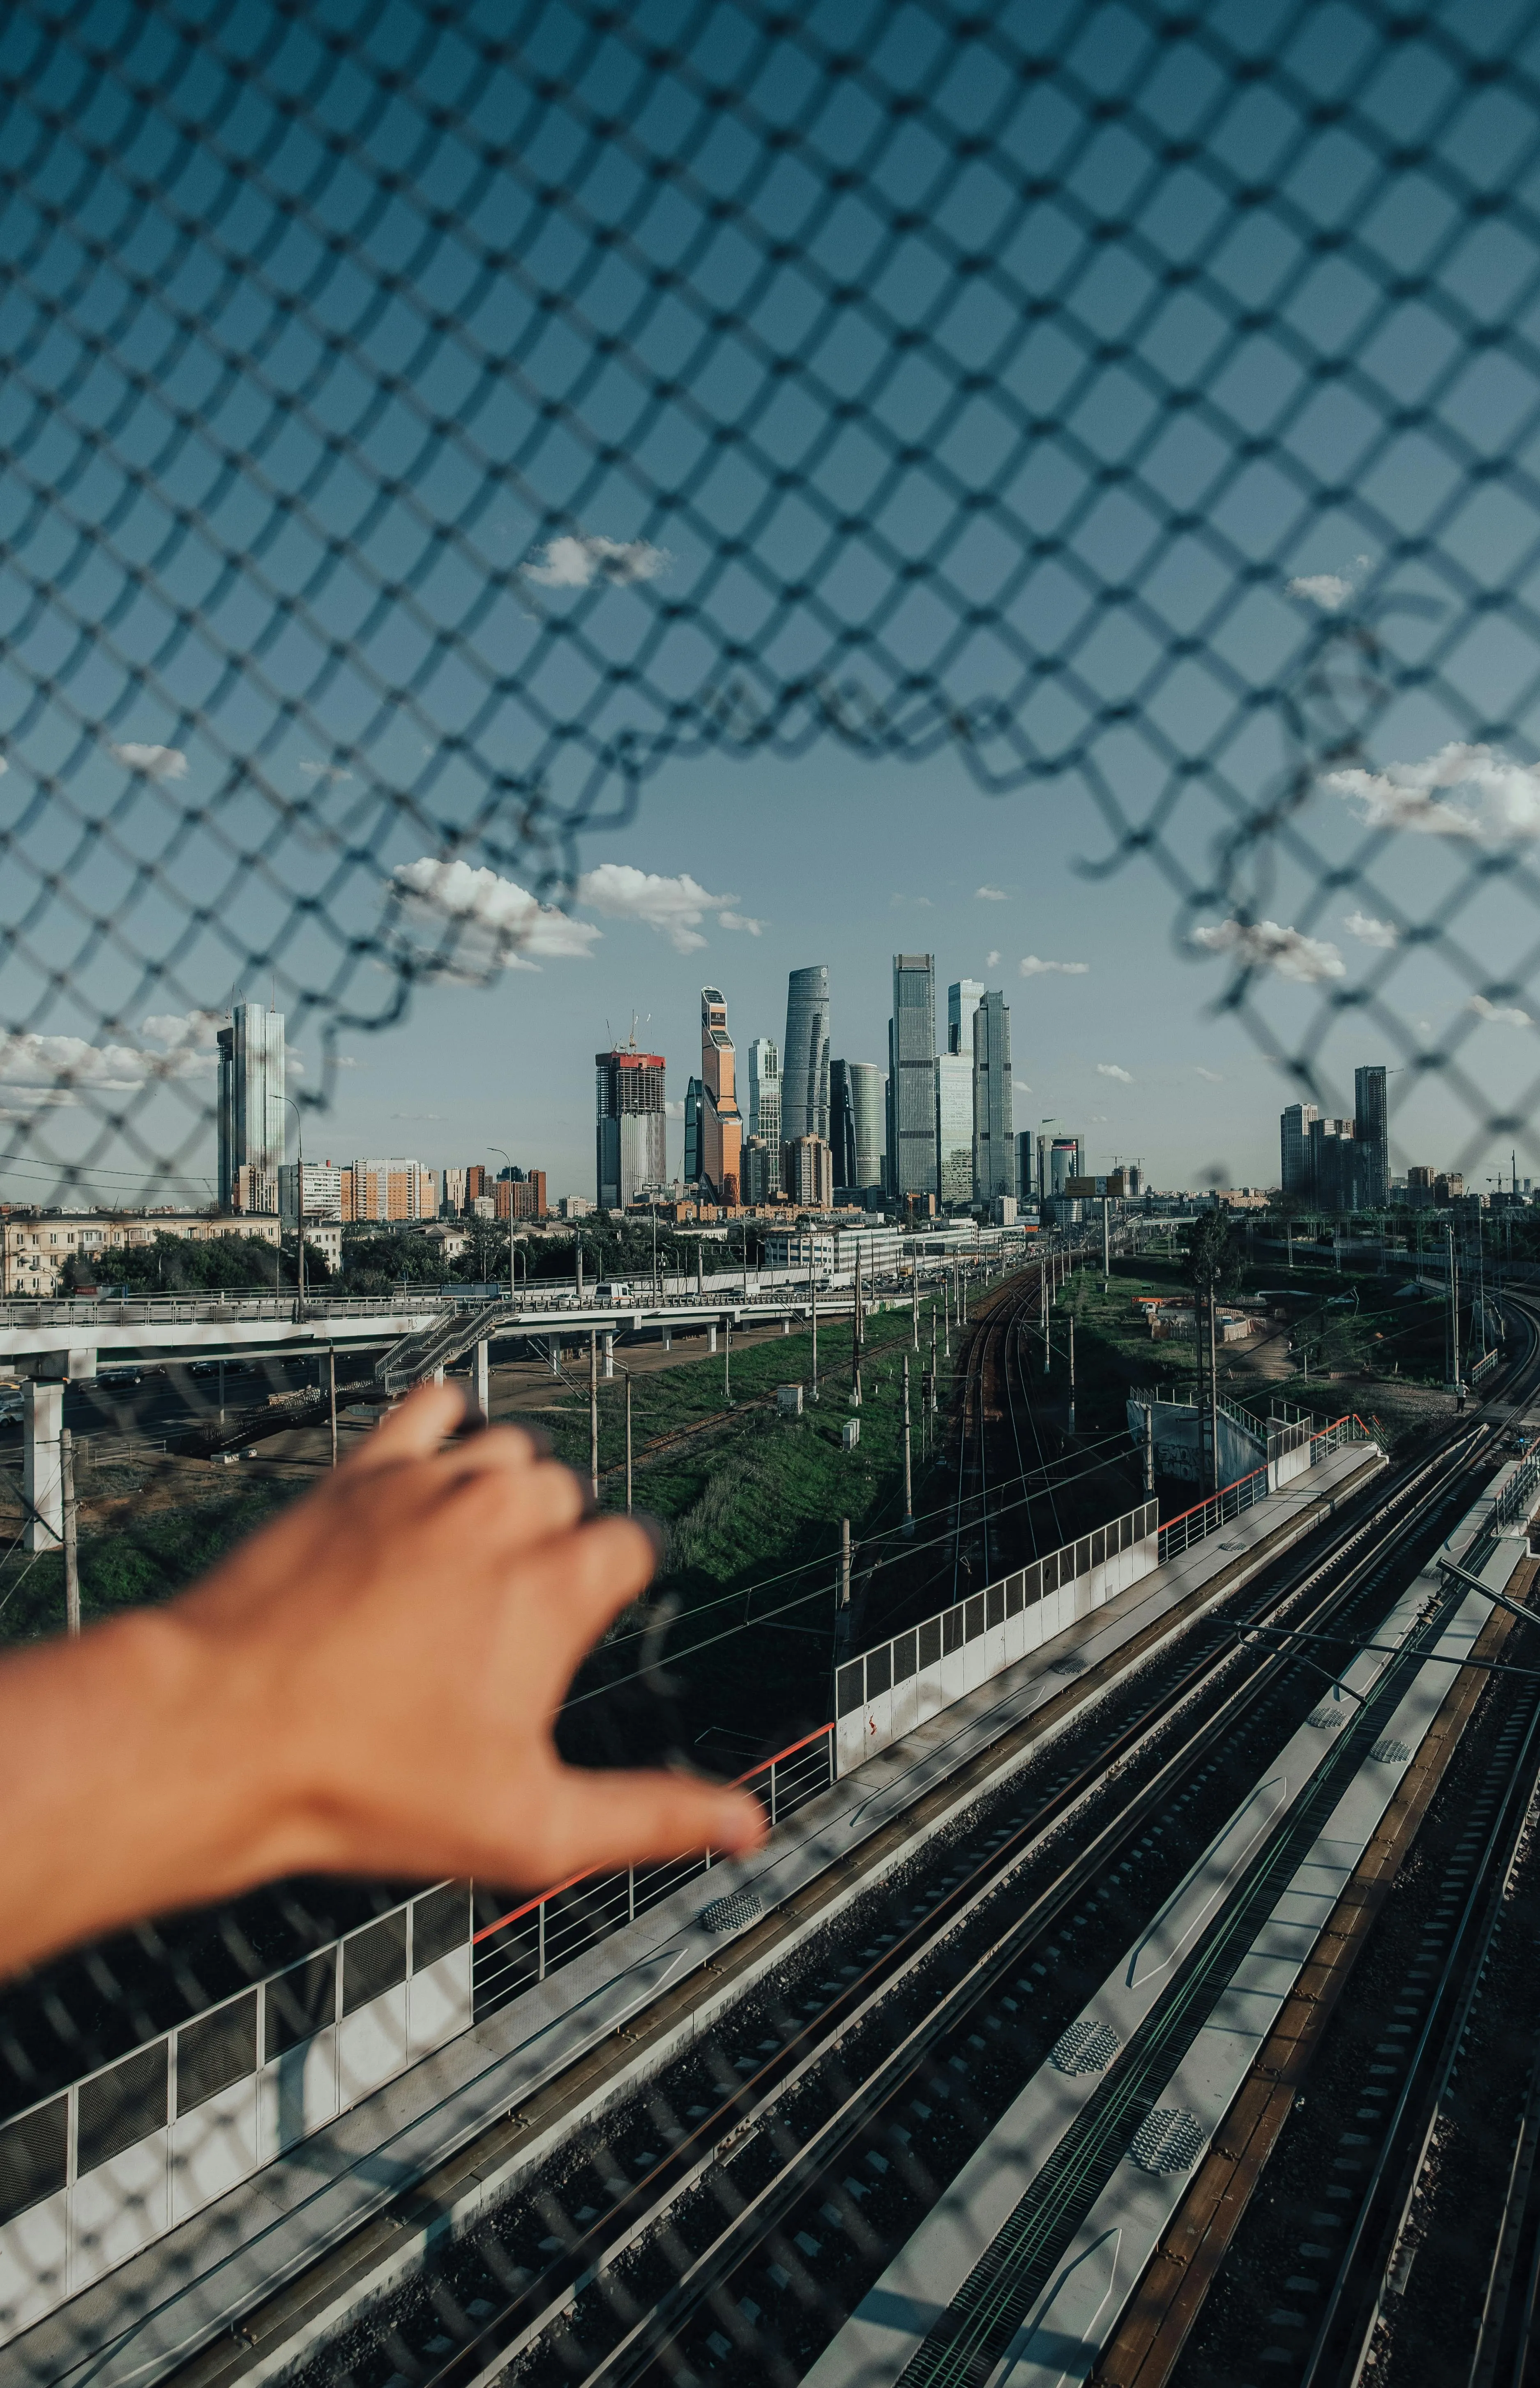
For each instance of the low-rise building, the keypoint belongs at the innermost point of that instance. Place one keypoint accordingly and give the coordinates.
(36, 1244)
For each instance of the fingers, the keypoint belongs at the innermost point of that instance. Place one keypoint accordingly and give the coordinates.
(418, 1427)
(619, 1819)
(413, 1429)
(588, 1577)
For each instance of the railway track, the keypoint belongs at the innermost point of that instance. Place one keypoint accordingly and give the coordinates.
(836, 2130)
(1423, 2112)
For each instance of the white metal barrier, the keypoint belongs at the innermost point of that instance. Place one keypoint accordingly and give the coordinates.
(887, 1691)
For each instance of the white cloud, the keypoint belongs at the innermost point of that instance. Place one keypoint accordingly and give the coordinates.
(1263, 945)
(740, 920)
(324, 771)
(1032, 966)
(482, 921)
(675, 908)
(417, 1116)
(348, 1062)
(574, 560)
(673, 1110)
(59, 1064)
(156, 762)
(1370, 931)
(990, 895)
(185, 1031)
(1504, 796)
(1507, 1015)
(1021, 1086)
(992, 959)
(5, 767)
(1111, 1070)
(1330, 591)
(1211, 1076)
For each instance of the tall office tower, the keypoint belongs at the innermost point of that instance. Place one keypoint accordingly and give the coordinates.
(1294, 1138)
(1333, 1165)
(954, 1129)
(994, 1112)
(764, 1092)
(1063, 1162)
(693, 1133)
(721, 1130)
(808, 1172)
(1026, 1177)
(1371, 1134)
(760, 1175)
(252, 1120)
(912, 1099)
(631, 1134)
(805, 1055)
(842, 1127)
(869, 1121)
(963, 999)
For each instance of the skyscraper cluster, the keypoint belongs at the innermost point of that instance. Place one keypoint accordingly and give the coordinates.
(1340, 1164)
(938, 1123)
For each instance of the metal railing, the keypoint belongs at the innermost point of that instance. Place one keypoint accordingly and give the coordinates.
(1222, 1507)
(516, 1950)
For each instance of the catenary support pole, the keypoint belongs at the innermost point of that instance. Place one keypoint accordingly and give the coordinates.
(1106, 1241)
(331, 1394)
(71, 1553)
(1071, 1372)
(909, 1479)
(845, 1563)
(627, 1443)
(726, 1360)
(813, 1282)
(483, 1378)
(1149, 1450)
(593, 1410)
(856, 1338)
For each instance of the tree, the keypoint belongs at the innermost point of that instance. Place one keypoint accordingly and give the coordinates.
(1212, 1252)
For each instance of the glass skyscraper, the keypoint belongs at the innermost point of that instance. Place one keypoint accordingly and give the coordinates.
(994, 1112)
(911, 1084)
(954, 1128)
(764, 1092)
(1371, 1134)
(252, 1120)
(805, 1055)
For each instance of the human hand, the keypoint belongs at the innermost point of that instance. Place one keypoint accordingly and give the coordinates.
(369, 1684)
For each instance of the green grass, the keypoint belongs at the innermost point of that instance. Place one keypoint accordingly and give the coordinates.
(130, 1568)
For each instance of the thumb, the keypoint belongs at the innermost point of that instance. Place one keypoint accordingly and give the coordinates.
(614, 1818)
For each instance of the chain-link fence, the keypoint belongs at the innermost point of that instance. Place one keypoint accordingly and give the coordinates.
(425, 425)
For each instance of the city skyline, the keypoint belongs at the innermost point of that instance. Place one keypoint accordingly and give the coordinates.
(1109, 1031)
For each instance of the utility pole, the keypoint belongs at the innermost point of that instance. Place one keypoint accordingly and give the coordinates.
(1071, 1372)
(914, 1305)
(845, 1567)
(627, 1443)
(813, 1281)
(934, 1387)
(1042, 1289)
(71, 1554)
(1106, 1241)
(1453, 1313)
(909, 1483)
(331, 1392)
(856, 1337)
(593, 1412)
(1212, 1398)
(1149, 1449)
(726, 1360)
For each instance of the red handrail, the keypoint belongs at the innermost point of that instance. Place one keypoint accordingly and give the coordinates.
(541, 1896)
(1208, 1497)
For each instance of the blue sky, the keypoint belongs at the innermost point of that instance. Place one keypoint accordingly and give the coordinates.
(850, 466)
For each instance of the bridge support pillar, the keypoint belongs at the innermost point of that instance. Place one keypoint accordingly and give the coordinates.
(483, 1377)
(711, 1337)
(786, 1323)
(439, 1374)
(667, 1338)
(606, 1345)
(555, 1355)
(42, 1483)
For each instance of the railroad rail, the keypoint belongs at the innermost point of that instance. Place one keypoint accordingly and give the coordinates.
(853, 2040)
